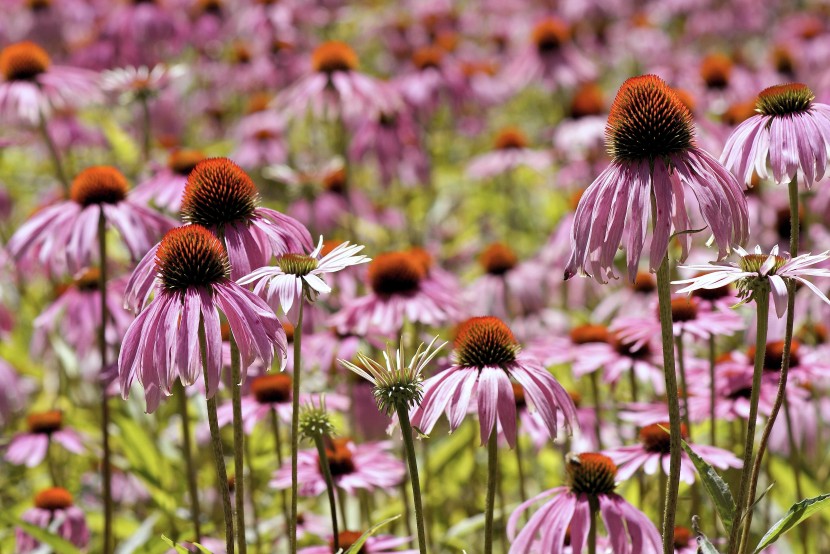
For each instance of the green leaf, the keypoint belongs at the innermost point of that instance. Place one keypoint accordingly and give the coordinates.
(715, 486)
(358, 544)
(704, 546)
(171, 543)
(798, 513)
(57, 544)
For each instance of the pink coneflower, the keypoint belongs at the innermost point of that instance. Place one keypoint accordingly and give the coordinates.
(193, 281)
(54, 510)
(690, 317)
(354, 467)
(378, 544)
(75, 316)
(272, 393)
(433, 77)
(335, 87)
(165, 188)
(30, 448)
(592, 480)
(131, 83)
(652, 454)
(485, 359)
(260, 135)
(143, 32)
(508, 288)
(62, 236)
(510, 150)
(650, 137)
(14, 393)
(551, 58)
(776, 268)
(790, 132)
(296, 275)
(399, 292)
(617, 357)
(32, 87)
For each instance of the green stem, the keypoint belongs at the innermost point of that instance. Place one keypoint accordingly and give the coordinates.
(238, 447)
(592, 531)
(780, 395)
(193, 488)
(492, 477)
(597, 408)
(326, 468)
(667, 335)
(275, 426)
(146, 129)
(218, 450)
(762, 305)
(521, 471)
(295, 423)
(412, 462)
(53, 154)
(253, 487)
(105, 409)
(713, 424)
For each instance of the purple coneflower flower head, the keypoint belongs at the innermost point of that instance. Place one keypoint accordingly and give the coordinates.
(192, 284)
(131, 83)
(63, 236)
(335, 87)
(485, 359)
(400, 291)
(221, 197)
(591, 480)
(166, 188)
(791, 133)
(366, 466)
(30, 448)
(75, 316)
(378, 544)
(31, 86)
(650, 137)
(775, 268)
(54, 511)
(511, 150)
(296, 276)
(652, 454)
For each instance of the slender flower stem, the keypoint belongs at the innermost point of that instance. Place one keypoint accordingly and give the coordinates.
(341, 501)
(713, 424)
(218, 450)
(409, 448)
(106, 470)
(295, 422)
(324, 465)
(146, 129)
(667, 335)
(253, 487)
(785, 366)
(275, 426)
(189, 465)
(597, 408)
(762, 305)
(492, 477)
(681, 367)
(53, 153)
(238, 447)
(520, 470)
(592, 531)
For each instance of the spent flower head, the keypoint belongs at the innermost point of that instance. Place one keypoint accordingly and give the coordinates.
(398, 383)
(315, 421)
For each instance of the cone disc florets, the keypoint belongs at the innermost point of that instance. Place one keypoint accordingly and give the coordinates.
(191, 256)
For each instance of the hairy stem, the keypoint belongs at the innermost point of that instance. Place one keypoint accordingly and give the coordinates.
(238, 447)
(324, 465)
(193, 488)
(412, 462)
(106, 470)
(295, 424)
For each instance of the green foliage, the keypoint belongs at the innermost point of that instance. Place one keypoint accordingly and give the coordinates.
(798, 513)
(715, 486)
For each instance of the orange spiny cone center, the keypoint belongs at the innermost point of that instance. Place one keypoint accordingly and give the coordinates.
(45, 422)
(183, 161)
(498, 259)
(588, 333)
(89, 280)
(510, 138)
(550, 34)
(715, 70)
(683, 309)
(485, 342)
(271, 389)
(655, 438)
(191, 256)
(644, 283)
(218, 192)
(335, 181)
(519, 395)
(587, 101)
(423, 258)
(774, 354)
(23, 61)
(738, 112)
(100, 184)
(428, 57)
(591, 473)
(54, 498)
(340, 457)
(395, 273)
(334, 56)
(647, 120)
(786, 99)
(347, 538)
(682, 537)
